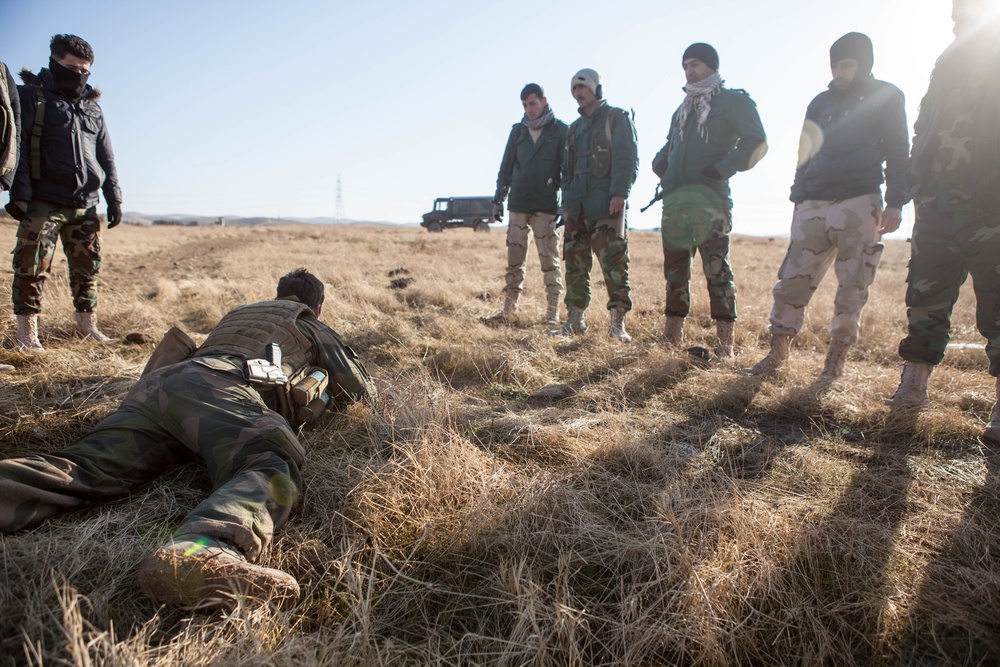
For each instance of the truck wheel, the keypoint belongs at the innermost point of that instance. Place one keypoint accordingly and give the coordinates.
(482, 226)
(434, 226)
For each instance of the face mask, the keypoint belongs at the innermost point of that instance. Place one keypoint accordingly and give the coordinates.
(70, 83)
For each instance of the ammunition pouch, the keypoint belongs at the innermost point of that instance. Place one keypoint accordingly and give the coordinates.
(599, 155)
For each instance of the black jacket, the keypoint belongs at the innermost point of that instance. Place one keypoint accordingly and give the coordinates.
(857, 130)
(76, 156)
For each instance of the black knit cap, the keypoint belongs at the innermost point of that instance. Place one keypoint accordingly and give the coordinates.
(854, 46)
(706, 53)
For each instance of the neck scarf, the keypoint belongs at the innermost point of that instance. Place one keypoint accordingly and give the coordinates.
(69, 82)
(699, 101)
(544, 119)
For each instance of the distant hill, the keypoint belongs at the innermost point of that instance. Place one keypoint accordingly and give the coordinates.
(188, 220)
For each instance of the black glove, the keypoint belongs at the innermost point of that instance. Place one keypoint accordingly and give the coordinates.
(17, 209)
(712, 172)
(114, 214)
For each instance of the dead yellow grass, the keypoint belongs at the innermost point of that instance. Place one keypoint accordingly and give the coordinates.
(661, 513)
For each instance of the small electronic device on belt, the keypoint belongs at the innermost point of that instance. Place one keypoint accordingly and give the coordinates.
(267, 371)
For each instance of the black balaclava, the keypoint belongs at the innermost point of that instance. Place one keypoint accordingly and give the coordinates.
(854, 46)
(70, 83)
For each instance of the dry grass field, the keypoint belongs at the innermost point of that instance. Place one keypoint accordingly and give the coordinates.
(663, 513)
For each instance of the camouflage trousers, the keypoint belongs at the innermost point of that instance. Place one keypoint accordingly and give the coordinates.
(944, 250)
(169, 416)
(684, 231)
(543, 225)
(843, 233)
(585, 238)
(80, 232)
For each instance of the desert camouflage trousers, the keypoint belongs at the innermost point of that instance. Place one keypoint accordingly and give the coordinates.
(684, 231)
(170, 416)
(80, 232)
(543, 225)
(843, 233)
(585, 238)
(944, 250)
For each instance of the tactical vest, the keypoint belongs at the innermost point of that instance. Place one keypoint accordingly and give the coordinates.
(247, 331)
(599, 155)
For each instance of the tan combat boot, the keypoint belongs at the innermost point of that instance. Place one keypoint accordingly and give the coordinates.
(673, 331)
(27, 334)
(617, 330)
(836, 356)
(205, 573)
(992, 432)
(912, 390)
(776, 358)
(552, 308)
(575, 323)
(505, 316)
(725, 332)
(86, 327)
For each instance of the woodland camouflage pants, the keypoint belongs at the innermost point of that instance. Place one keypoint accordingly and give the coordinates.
(543, 225)
(842, 233)
(944, 250)
(80, 231)
(599, 237)
(184, 410)
(684, 231)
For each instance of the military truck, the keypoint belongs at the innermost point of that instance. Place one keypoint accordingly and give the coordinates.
(474, 212)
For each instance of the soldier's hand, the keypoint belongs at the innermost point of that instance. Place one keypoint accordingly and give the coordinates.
(891, 217)
(498, 211)
(114, 214)
(17, 209)
(617, 204)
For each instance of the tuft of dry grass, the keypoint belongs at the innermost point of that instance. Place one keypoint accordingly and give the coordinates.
(660, 512)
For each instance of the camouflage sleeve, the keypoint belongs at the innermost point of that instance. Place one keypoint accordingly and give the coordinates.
(896, 147)
(624, 155)
(752, 143)
(349, 380)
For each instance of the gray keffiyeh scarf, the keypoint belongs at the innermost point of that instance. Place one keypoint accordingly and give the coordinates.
(540, 122)
(699, 101)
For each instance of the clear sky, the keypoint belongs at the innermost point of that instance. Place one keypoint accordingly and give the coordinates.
(218, 107)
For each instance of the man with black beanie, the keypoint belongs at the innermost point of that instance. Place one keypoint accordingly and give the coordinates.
(850, 131)
(715, 133)
(66, 159)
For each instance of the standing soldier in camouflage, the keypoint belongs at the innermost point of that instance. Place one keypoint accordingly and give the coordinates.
(599, 168)
(850, 130)
(242, 430)
(66, 158)
(530, 172)
(955, 167)
(715, 133)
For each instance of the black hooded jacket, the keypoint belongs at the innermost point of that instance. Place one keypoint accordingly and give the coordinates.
(859, 129)
(76, 157)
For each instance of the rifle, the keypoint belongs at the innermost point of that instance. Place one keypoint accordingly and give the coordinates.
(657, 196)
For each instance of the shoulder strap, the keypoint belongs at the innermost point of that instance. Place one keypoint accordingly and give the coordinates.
(36, 134)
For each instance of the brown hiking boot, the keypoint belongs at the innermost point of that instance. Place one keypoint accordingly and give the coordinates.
(912, 390)
(726, 333)
(552, 308)
(86, 327)
(836, 356)
(27, 334)
(207, 574)
(992, 432)
(776, 358)
(575, 324)
(673, 331)
(617, 330)
(505, 316)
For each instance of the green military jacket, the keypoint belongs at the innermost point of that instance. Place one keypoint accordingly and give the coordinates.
(530, 169)
(601, 160)
(736, 142)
